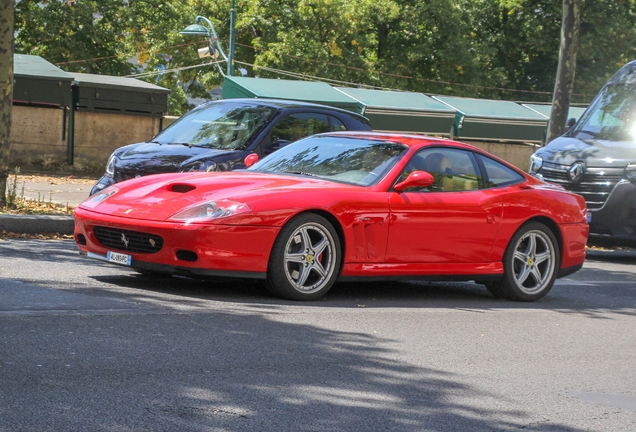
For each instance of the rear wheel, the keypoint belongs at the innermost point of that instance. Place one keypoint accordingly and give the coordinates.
(531, 263)
(305, 259)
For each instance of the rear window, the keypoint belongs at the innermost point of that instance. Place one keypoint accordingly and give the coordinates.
(498, 174)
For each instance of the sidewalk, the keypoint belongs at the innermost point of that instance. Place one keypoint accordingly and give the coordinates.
(65, 191)
(70, 193)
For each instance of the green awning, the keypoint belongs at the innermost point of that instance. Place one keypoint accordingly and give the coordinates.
(481, 119)
(573, 112)
(118, 95)
(395, 111)
(306, 91)
(38, 82)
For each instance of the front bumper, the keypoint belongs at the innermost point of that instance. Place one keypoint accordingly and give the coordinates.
(615, 221)
(220, 250)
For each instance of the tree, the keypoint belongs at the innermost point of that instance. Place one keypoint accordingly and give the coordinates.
(567, 67)
(6, 91)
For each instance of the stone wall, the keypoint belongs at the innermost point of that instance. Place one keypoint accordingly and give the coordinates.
(39, 139)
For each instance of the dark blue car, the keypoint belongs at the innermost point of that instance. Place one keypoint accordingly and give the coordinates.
(218, 135)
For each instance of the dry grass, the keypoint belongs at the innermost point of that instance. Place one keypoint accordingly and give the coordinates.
(18, 204)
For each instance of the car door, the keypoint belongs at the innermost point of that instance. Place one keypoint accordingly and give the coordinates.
(455, 220)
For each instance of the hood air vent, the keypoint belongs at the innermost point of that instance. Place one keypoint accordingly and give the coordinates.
(181, 188)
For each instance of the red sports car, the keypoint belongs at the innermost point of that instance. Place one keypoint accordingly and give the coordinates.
(346, 206)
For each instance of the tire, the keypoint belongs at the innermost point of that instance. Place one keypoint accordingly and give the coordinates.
(531, 263)
(305, 259)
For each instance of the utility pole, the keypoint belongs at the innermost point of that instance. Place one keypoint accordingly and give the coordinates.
(564, 82)
(7, 19)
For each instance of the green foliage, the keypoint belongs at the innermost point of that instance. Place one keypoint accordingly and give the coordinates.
(500, 49)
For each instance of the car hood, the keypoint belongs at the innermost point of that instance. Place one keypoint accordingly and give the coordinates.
(159, 197)
(152, 158)
(594, 152)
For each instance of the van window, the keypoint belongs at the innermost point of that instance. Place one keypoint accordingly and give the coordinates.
(612, 115)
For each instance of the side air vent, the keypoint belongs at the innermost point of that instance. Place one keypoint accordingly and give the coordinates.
(181, 188)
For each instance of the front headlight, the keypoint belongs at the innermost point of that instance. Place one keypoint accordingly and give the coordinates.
(99, 197)
(199, 166)
(110, 166)
(630, 172)
(210, 210)
(535, 163)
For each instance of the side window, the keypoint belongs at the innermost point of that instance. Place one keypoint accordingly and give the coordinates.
(337, 124)
(297, 126)
(499, 175)
(452, 169)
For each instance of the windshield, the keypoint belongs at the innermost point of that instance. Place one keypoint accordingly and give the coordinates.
(612, 115)
(345, 159)
(218, 125)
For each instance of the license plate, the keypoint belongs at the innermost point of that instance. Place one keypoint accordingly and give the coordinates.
(119, 258)
(589, 217)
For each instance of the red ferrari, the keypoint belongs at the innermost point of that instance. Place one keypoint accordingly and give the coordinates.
(346, 206)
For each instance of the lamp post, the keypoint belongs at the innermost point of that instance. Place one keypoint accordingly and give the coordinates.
(197, 29)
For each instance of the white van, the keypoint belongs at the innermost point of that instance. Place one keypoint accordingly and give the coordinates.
(596, 158)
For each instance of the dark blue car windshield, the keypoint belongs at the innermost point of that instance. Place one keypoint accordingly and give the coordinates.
(224, 125)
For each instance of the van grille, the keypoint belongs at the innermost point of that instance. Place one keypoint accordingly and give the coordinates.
(130, 241)
(595, 186)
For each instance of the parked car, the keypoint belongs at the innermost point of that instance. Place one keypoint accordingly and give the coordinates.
(596, 158)
(218, 135)
(346, 206)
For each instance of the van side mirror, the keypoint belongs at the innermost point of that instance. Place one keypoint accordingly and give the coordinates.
(416, 178)
(570, 123)
(250, 160)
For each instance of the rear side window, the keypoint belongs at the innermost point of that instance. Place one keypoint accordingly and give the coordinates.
(337, 124)
(498, 174)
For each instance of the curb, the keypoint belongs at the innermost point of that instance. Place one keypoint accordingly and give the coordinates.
(37, 224)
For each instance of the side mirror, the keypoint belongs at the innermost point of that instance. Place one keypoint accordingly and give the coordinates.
(416, 178)
(250, 160)
(571, 122)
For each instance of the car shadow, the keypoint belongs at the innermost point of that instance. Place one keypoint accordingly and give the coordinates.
(592, 297)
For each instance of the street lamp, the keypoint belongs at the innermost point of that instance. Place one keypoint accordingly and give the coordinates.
(199, 30)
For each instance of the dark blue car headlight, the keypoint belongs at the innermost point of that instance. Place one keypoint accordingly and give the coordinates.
(199, 166)
(110, 166)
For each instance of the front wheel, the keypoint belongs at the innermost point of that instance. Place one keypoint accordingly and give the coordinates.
(531, 264)
(305, 259)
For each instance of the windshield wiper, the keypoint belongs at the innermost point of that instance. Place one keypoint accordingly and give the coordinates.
(592, 133)
(301, 173)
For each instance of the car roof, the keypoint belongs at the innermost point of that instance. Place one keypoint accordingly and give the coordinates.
(285, 103)
(410, 140)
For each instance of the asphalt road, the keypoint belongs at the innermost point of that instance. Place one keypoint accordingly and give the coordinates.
(89, 347)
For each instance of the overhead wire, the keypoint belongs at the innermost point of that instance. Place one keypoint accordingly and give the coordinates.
(315, 78)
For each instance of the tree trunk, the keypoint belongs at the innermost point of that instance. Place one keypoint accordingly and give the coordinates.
(567, 66)
(6, 90)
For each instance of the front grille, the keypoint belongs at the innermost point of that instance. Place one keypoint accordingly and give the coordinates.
(130, 241)
(595, 186)
(125, 175)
